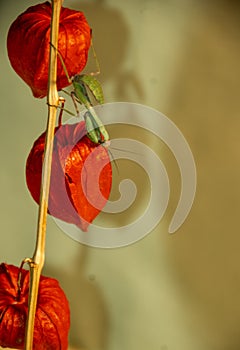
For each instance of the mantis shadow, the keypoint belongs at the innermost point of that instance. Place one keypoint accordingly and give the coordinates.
(111, 39)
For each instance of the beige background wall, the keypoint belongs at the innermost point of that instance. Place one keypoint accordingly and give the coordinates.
(165, 292)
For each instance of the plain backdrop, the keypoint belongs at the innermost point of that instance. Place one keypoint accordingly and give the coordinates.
(166, 292)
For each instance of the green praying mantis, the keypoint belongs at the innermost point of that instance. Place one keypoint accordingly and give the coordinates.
(82, 85)
(96, 131)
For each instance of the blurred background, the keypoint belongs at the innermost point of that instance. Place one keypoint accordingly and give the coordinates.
(166, 292)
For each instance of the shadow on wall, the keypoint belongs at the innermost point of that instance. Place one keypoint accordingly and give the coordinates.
(111, 39)
(89, 316)
(205, 104)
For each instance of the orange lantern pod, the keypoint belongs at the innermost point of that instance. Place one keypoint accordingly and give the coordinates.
(81, 175)
(28, 45)
(52, 319)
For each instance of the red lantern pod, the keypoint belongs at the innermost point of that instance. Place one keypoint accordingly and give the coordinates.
(28, 46)
(81, 175)
(52, 320)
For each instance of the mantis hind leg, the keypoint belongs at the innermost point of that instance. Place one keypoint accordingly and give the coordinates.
(74, 99)
(62, 101)
(73, 96)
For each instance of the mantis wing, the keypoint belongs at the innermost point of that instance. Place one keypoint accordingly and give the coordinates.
(94, 86)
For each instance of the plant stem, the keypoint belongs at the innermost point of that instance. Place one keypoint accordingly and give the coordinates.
(37, 261)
